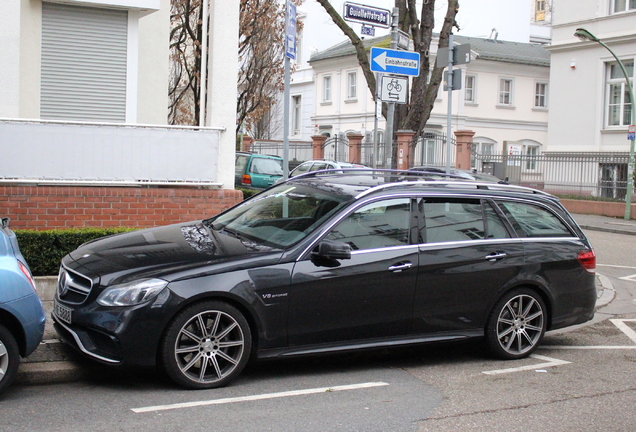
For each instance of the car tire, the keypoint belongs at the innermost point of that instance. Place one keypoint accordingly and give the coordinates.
(206, 345)
(9, 358)
(516, 324)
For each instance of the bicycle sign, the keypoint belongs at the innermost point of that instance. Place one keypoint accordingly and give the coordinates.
(394, 89)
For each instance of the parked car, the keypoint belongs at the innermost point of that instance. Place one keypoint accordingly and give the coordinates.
(466, 174)
(330, 263)
(256, 171)
(21, 315)
(317, 165)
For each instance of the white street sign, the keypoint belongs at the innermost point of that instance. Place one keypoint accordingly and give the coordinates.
(394, 89)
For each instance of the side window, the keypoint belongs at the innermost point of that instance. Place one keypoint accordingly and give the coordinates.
(376, 225)
(302, 168)
(319, 166)
(449, 220)
(531, 220)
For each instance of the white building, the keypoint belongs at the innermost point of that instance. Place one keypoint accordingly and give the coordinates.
(107, 62)
(589, 106)
(503, 99)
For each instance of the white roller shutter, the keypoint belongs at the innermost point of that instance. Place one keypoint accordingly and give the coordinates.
(84, 53)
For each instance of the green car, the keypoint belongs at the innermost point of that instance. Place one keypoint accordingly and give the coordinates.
(256, 171)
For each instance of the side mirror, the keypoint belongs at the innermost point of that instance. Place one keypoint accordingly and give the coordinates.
(332, 249)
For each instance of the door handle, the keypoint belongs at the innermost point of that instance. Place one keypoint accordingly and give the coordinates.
(495, 256)
(400, 267)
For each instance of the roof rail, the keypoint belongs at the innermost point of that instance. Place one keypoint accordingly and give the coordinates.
(401, 178)
(458, 183)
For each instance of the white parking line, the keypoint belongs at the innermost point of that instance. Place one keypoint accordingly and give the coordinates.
(259, 397)
(631, 278)
(549, 363)
(620, 323)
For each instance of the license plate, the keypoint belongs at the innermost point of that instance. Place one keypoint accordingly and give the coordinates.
(63, 312)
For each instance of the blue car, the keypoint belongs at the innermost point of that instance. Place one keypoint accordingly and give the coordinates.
(21, 314)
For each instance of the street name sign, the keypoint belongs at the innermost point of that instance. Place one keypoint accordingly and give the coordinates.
(395, 61)
(367, 15)
(290, 31)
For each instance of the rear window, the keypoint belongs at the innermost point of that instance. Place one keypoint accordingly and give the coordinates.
(531, 220)
(267, 166)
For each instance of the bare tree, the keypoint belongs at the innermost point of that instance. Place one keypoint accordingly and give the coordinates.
(424, 87)
(261, 49)
(186, 34)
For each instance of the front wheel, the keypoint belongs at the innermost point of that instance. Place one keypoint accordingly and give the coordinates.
(516, 324)
(9, 358)
(206, 345)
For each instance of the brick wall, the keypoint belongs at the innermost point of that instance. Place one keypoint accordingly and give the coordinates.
(50, 207)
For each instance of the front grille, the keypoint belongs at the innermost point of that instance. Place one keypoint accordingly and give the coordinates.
(73, 287)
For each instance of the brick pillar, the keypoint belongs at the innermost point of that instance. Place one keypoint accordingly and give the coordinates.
(319, 150)
(355, 147)
(405, 150)
(247, 143)
(464, 140)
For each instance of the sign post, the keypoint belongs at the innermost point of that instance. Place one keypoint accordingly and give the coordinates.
(290, 53)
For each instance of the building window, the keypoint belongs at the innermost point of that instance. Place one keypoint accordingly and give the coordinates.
(532, 153)
(84, 64)
(470, 88)
(296, 114)
(351, 85)
(619, 108)
(623, 5)
(505, 91)
(541, 95)
(326, 88)
(299, 48)
(539, 10)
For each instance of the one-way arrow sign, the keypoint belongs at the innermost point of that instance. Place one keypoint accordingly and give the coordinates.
(395, 61)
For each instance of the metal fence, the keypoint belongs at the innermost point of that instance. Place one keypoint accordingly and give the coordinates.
(430, 150)
(602, 175)
(299, 151)
(576, 174)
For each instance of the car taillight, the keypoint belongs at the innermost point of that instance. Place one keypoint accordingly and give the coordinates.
(588, 260)
(247, 180)
(27, 273)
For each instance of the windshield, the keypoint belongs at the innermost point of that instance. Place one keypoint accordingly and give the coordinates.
(267, 166)
(280, 216)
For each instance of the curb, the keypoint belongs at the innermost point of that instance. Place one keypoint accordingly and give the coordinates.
(608, 230)
(607, 293)
(56, 372)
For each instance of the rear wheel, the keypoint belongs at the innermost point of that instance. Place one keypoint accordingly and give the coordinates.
(9, 358)
(516, 324)
(206, 346)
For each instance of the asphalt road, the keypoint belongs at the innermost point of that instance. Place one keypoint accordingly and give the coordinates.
(580, 379)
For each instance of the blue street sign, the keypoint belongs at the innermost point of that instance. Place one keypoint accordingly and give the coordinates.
(395, 62)
(290, 31)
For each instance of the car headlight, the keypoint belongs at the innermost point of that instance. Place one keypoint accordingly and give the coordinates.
(132, 293)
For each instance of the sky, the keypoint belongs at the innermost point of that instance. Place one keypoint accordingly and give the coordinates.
(510, 18)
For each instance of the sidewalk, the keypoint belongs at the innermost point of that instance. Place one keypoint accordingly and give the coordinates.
(55, 362)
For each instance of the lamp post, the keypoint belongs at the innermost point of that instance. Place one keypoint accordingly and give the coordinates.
(585, 35)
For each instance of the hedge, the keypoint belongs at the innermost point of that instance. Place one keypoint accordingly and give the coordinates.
(43, 250)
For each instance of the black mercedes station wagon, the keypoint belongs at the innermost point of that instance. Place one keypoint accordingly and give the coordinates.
(330, 262)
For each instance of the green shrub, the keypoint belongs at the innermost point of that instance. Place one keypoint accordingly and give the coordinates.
(248, 193)
(43, 250)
